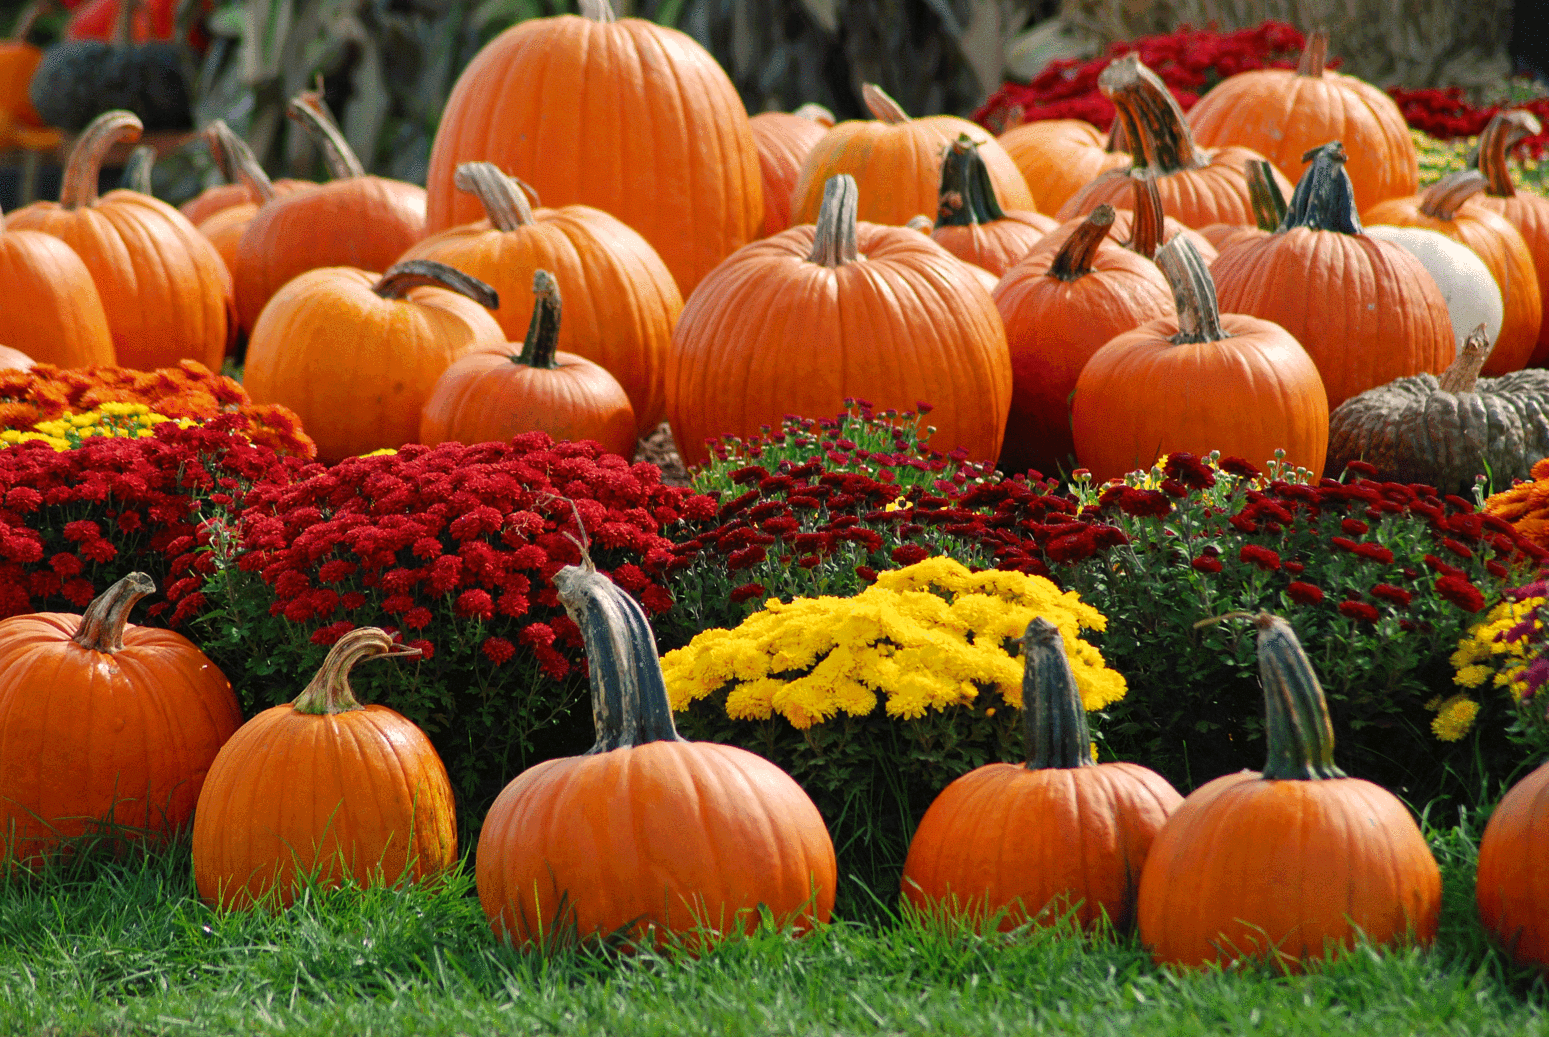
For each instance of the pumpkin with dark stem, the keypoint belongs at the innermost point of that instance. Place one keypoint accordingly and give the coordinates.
(1058, 832)
(1292, 863)
(970, 223)
(105, 727)
(323, 789)
(646, 834)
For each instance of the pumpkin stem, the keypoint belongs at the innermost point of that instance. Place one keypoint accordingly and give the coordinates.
(136, 175)
(503, 198)
(1314, 55)
(1443, 198)
(1118, 140)
(921, 223)
(1462, 375)
(1269, 207)
(1148, 223)
(967, 195)
(102, 624)
(329, 691)
(1505, 131)
(1194, 293)
(597, 10)
(1324, 198)
(416, 273)
(882, 107)
(816, 112)
(629, 695)
(308, 109)
(1157, 134)
(1074, 259)
(79, 189)
(1296, 722)
(237, 162)
(542, 340)
(833, 240)
(1054, 727)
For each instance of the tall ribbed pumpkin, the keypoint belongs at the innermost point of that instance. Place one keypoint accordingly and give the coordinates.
(1282, 113)
(896, 161)
(164, 288)
(1295, 861)
(621, 300)
(624, 115)
(646, 833)
(1057, 832)
(324, 788)
(103, 720)
(802, 321)
(1365, 310)
(1524, 210)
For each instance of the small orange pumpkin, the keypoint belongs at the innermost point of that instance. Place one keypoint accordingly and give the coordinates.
(970, 223)
(49, 305)
(492, 394)
(783, 140)
(1058, 157)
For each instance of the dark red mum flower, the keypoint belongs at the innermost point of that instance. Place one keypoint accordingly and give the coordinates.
(1360, 610)
(1304, 593)
(1206, 564)
(498, 650)
(1388, 592)
(1189, 470)
(1460, 592)
(1260, 556)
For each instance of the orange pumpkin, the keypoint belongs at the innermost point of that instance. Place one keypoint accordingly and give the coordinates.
(896, 162)
(1058, 157)
(492, 394)
(1061, 304)
(1451, 207)
(1198, 186)
(970, 223)
(1058, 832)
(323, 788)
(623, 300)
(352, 220)
(628, 116)
(783, 140)
(647, 833)
(1198, 381)
(356, 355)
(105, 726)
(49, 306)
(1509, 887)
(798, 323)
(1526, 211)
(18, 61)
(1284, 113)
(1365, 310)
(229, 152)
(163, 286)
(1294, 862)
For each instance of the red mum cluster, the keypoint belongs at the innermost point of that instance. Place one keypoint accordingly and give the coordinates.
(1190, 61)
(1446, 113)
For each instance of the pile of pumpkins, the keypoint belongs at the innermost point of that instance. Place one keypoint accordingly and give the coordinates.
(1293, 863)
(725, 271)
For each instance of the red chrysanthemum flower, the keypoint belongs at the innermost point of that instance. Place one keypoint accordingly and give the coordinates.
(1460, 592)
(1206, 564)
(498, 650)
(1360, 610)
(1260, 556)
(1388, 592)
(1304, 593)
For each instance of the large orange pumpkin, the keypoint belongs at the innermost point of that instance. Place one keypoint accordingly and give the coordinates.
(1198, 381)
(356, 355)
(647, 833)
(1294, 862)
(1283, 113)
(625, 115)
(1057, 832)
(1060, 305)
(163, 286)
(783, 140)
(1199, 186)
(802, 321)
(970, 223)
(1058, 157)
(622, 299)
(49, 306)
(352, 220)
(1366, 311)
(1451, 207)
(492, 394)
(896, 162)
(105, 727)
(1524, 210)
(324, 789)
(1509, 887)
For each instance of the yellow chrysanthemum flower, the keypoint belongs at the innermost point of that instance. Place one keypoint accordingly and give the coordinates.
(1454, 718)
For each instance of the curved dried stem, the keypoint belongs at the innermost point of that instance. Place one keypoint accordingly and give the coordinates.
(237, 162)
(417, 273)
(329, 692)
(308, 109)
(82, 168)
(834, 243)
(1505, 131)
(1462, 375)
(103, 622)
(542, 340)
(882, 107)
(1074, 259)
(503, 197)
(1157, 134)
(1442, 199)
(1314, 55)
(1194, 293)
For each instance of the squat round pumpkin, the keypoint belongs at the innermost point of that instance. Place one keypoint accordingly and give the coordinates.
(323, 788)
(105, 726)
(1509, 887)
(1057, 832)
(647, 833)
(970, 223)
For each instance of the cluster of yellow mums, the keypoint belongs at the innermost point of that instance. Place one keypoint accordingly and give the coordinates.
(929, 636)
(123, 420)
(1484, 656)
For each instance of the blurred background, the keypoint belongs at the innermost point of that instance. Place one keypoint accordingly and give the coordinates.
(388, 65)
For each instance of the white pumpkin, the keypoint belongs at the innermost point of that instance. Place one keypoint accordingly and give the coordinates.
(1473, 297)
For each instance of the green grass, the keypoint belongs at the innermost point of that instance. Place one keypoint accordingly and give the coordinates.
(124, 947)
